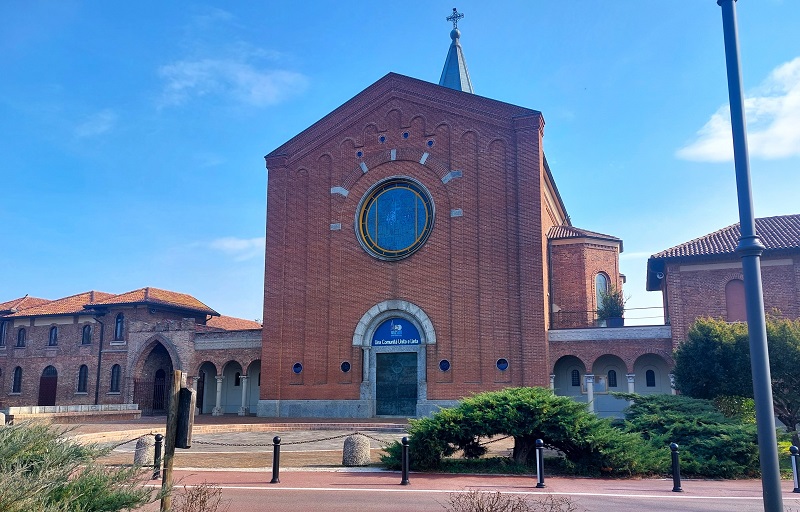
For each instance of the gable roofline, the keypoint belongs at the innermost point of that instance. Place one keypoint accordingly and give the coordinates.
(780, 233)
(398, 86)
(70, 305)
(16, 305)
(570, 232)
(150, 296)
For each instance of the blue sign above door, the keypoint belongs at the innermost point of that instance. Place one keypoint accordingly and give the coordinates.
(395, 332)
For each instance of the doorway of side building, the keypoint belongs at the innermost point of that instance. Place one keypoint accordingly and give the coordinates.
(48, 385)
(396, 384)
(151, 391)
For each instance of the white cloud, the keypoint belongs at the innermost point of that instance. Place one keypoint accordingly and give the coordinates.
(240, 249)
(234, 78)
(97, 124)
(773, 122)
(636, 255)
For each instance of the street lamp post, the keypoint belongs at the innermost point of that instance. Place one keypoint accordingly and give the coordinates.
(750, 249)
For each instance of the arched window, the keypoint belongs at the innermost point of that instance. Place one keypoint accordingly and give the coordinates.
(21, 338)
(53, 340)
(16, 386)
(119, 327)
(650, 378)
(115, 371)
(600, 288)
(576, 378)
(3, 327)
(86, 337)
(612, 378)
(734, 301)
(83, 377)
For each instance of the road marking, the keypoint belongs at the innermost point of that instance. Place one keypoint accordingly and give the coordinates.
(460, 491)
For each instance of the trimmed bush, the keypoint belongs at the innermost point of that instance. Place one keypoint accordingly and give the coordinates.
(590, 444)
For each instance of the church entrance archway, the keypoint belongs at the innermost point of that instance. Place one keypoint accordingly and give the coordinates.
(396, 384)
(394, 335)
(48, 385)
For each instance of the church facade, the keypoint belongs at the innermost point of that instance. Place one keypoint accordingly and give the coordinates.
(418, 251)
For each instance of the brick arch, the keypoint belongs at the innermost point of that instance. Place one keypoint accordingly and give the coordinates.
(628, 367)
(136, 362)
(583, 361)
(209, 361)
(229, 361)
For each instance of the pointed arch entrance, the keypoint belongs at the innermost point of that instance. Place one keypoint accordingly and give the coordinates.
(48, 386)
(152, 388)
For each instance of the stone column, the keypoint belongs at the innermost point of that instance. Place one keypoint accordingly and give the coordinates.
(590, 391)
(244, 410)
(631, 381)
(218, 411)
(672, 383)
(552, 383)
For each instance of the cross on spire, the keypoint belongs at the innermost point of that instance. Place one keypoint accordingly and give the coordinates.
(455, 17)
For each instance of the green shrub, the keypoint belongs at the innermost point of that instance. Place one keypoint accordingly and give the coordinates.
(41, 470)
(591, 444)
(710, 444)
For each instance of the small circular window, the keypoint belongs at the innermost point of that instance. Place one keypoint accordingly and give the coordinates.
(395, 218)
(502, 364)
(345, 366)
(444, 365)
(297, 368)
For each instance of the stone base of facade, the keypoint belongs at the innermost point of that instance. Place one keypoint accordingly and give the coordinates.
(336, 408)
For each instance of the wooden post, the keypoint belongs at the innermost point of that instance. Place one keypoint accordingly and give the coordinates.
(169, 441)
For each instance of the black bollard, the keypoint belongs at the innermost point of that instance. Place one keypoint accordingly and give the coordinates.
(157, 458)
(276, 459)
(795, 454)
(676, 469)
(540, 464)
(404, 462)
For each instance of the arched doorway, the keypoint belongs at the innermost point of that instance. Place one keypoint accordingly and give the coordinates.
(569, 374)
(152, 387)
(206, 387)
(393, 336)
(48, 385)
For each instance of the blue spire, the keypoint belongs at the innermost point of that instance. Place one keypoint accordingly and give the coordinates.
(455, 74)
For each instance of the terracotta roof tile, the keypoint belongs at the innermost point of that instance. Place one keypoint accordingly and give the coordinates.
(776, 233)
(157, 296)
(561, 232)
(15, 305)
(229, 323)
(65, 306)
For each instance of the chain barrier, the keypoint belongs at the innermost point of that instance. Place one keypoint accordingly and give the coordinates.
(283, 443)
(495, 440)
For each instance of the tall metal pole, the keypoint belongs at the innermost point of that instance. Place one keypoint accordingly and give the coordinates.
(750, 249)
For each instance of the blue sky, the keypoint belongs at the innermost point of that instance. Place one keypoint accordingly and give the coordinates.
(132, 134)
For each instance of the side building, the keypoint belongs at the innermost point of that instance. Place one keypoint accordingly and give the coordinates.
(703, 277)
(97, 349)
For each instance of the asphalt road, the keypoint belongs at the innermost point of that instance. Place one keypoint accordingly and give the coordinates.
(381, 491)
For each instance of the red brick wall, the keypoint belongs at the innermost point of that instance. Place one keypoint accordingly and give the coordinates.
(480, 277)
(696, 293)
(574, 267)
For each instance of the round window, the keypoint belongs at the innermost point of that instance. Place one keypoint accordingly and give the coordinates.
(502, 364)
(395, 218)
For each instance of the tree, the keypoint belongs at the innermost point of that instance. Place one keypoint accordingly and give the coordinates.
(42, 470)
(715, 361)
